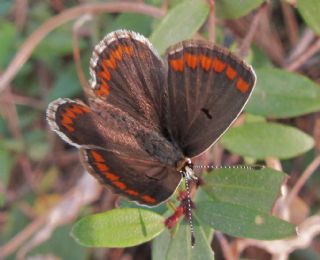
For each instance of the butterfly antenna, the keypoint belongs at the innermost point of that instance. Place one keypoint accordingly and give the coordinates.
(251, 167)
(189, 211)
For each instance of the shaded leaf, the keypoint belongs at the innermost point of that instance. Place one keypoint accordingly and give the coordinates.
(178, 245)
(56, 44)
(118, 228)
(230, 9)
(261, 140)
(282, 94)
(37, 147)
(240, 221)
(255, 189)
(179, 24)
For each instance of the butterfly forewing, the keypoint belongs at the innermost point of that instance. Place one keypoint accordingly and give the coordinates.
(208, 88)
(127, 73)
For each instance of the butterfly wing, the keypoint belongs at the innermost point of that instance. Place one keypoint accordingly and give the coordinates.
(208, 88)
(135, 161)
(145, 182)
(127, 72)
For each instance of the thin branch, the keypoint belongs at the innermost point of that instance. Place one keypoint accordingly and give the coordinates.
(212, 22)
(308, 36)
(243, 49)
(76, 50)
(290, 22)
(297, 63)
(225, 247)
(67, 209)
(303, 178)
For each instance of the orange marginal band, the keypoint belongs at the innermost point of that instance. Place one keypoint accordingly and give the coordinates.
(71, 113)
(231, 73)
(242, 85)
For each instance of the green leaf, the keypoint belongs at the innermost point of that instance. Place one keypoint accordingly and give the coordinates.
(261, 140)
(125, 203)
(255, 189)
(37, 147)
(179, 24)
(178, 245)
(55, 45)
(240, 221)
(130, 21)
(230, 9)
(282, 94)
(67, 85)
(118, 228)
(310, 10)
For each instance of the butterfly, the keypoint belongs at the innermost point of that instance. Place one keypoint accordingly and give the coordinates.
(146, 117)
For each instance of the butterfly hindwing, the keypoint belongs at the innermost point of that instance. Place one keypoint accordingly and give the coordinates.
(135, 161)
(145, 182)
(75, 122)
(208, 88)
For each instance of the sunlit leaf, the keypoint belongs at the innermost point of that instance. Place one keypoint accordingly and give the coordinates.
(118, 228)
(262, 140)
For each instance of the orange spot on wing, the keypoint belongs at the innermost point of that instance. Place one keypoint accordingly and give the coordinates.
(131, 192)
(66, 120)
(242, 85)
(105, 74)
(97, 157)
(128, 50)
(78, 110)
(111, 176)
(117, 53)
(69, 128)
(85, 109)
(70, 114)
(218, 65)
(191, 60)
(148, 199)
(103, 89)
(176, 64)
(111, 63)
(205, 62)
(104, 64)
(231, 73)
(101, 166)
(119, 185)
